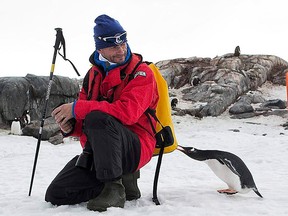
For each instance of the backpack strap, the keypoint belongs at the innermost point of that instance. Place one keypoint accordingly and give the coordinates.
(159, 161)
(91, 83)
(163, 138)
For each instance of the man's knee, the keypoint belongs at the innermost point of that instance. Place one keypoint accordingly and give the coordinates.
(98, 120)
(56, 195)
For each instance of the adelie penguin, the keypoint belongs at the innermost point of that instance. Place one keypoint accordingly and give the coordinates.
(226, 166)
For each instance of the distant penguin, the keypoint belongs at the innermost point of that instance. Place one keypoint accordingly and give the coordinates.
(237, 51)
(25, 119)
(196, 81)
(16, 127)
(174, 103)
(226, 166)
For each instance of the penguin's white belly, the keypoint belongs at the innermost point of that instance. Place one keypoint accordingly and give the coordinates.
(28, 119)
(16, 128)
(225, 174)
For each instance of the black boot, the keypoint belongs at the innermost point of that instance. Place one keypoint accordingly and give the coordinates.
(131, 188)
(112, 195)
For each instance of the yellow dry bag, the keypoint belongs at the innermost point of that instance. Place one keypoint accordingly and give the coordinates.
(165, 134)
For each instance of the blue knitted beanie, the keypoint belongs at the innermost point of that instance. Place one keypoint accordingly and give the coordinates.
(108, 27)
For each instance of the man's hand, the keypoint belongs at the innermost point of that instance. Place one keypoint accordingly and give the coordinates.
(62, 114)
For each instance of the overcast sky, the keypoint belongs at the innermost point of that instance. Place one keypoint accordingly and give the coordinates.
(158, 29)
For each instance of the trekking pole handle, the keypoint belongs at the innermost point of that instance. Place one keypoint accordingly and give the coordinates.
(59, 38)
(58, 29)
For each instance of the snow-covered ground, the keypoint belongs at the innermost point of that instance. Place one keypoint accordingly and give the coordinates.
(186, 186)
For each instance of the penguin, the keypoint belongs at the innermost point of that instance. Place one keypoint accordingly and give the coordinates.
(25, 119)
(226, 166)
(174, 103)
(196, 81)
(16, 127)
(237, 51)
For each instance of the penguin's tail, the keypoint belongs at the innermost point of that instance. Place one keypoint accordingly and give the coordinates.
(257, 192)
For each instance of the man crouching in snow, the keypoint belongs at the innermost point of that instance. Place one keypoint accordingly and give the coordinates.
(109, 117)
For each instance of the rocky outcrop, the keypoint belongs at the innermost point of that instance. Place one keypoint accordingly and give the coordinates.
(217, 83)
(18, 94)
(210, 86)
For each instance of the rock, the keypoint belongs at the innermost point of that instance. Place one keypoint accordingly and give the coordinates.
(30, 94)
(50, 128)
(246, 115)
(241, 107)
(274, 104)
(223, 79)
(57, 139)
(280, 112)
(252, 98)
(234, 130)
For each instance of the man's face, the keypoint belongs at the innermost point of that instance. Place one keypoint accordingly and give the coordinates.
(115, 54)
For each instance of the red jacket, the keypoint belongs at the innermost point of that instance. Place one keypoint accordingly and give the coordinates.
(131, 98)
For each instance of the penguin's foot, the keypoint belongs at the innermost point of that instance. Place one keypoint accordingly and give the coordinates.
(228, 191)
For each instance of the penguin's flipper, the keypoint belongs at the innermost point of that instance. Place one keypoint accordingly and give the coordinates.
(227, 191)
(230, 166)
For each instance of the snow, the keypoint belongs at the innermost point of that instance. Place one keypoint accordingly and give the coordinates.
(186, 186)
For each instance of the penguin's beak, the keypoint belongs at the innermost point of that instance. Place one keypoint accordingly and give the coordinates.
(180, 148)
(185, 149)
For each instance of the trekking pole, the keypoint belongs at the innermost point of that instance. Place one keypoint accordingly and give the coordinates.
(59, 39)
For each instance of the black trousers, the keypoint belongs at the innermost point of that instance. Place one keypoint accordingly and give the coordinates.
(116, 151)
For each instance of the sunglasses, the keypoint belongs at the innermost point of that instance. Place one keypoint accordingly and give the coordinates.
(117, 39)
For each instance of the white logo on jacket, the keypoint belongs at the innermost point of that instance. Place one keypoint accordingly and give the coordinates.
(139, 73)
